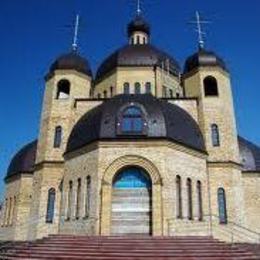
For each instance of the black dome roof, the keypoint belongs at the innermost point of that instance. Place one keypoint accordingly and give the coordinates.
(23, 161)
(250, 155)
(71, 61)
(203, 58)
(138, 24)
(136, 55)
(164, 120)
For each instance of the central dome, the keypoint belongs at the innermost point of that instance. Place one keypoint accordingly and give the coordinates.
(137, 56)
(162, 120)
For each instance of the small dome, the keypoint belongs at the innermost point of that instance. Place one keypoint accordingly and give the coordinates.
(23, 161)
(71, 61)
(164, 120)
(138, 24)
(250, 155)
(203, 58)
(136, 56)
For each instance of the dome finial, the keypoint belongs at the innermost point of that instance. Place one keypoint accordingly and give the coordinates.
(76, 32)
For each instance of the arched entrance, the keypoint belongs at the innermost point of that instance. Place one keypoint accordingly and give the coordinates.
(131, 202)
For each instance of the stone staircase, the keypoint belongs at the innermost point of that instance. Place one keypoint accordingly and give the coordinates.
(129, 248)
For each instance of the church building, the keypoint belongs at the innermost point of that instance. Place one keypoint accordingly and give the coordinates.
(143, 147)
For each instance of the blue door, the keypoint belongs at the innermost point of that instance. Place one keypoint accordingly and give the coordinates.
(131, 202)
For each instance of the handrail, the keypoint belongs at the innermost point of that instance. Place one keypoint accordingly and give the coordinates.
(244, 232)
(236, 224)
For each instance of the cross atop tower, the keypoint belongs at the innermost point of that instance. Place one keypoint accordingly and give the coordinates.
(76, 32)
(199, 22)
(138, 7)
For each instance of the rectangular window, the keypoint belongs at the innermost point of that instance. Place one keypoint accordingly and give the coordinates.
(164, 92)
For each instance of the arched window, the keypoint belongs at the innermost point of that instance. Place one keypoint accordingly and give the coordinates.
(63, 89)
(105, 94)
(189, 195)
(126, 88)
(171, 93)
(210, 86)
(137, 88)
(132, 120)
(199, 196)
(215, 135)
(5, 212)
(99, 96)
(57, 137)
(222, 207)
(50, 205)
(87, 196)
(178, 197)
(9, 212)
(69, 211)
(111, 91)
(138, 39)
(78, 199)
(148, 88)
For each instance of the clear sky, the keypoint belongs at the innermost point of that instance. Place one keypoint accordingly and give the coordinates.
(33, 33)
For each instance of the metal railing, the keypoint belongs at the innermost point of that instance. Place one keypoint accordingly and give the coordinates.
(231, 232)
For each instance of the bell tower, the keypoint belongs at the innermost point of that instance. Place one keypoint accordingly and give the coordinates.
(69, 78)
(207, 78)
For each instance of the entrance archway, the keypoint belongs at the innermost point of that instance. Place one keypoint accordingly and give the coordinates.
(131, 202)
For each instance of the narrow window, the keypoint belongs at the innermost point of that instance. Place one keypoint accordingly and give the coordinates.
(111, 91)
(57, 137)
(178, 197)
(78, 199)
(138, 39)
(87, 198)
(137, 88)
(9, 212)
(99, 96)
(69, 211)
(132, 120)
(13, 210)
(132, 40)
(63, 89)
(5, 212)
(189, 194)
(164, 91)
(105, 94)
(50, 205)
(177, 95)
(215, 135)
(126, 88)
(144, 40)
(148, 88)
(199, 194)
(171, 93)
(210, 86)
(222, 208)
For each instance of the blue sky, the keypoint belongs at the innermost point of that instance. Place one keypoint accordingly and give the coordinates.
(33, 33)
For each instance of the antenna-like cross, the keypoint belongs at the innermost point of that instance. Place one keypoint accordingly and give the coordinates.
(199, 30)
(76, 32)
(138, 9)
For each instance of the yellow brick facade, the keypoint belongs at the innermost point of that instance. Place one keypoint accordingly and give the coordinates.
(25, 214)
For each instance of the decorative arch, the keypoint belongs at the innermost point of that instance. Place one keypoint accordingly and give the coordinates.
(107, 182)
(131, 160)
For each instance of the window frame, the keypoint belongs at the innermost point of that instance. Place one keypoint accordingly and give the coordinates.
(50, 211)
(210, 88)
(120, 119)
(137, 88)
(63, 83)
(215, 136)
(221, 192)
(58, 132)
